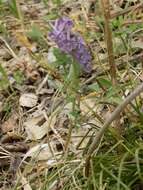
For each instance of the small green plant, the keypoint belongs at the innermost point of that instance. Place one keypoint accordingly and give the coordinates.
(13, 8)
(35, 33)
(4, 82)
(57, 2)
(3, 30)
(18, 76)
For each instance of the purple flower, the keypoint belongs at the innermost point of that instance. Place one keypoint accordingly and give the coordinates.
(70, 42)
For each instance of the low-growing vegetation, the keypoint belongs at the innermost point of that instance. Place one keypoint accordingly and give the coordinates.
(71, 95)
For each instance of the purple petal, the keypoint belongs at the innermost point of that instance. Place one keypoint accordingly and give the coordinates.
(71, 43)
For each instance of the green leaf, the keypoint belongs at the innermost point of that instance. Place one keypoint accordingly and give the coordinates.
(51, 16)
(18, 76)
(94, 87)
(73, 76)
(13, 8)
(105, 82)
(4, 82)
(35, 33)
(57, 2)
(3, 29)
(62, 58)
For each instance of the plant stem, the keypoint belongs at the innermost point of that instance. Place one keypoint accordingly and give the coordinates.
(108, 36)
(73, 78)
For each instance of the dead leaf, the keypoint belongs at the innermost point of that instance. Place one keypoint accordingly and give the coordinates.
(33, 130)
(28, 100)
(37, 128)
(23, 40)
(25, 183)
(10, 124)
(11, 137)
(39, 152)
(137, 44)
(15, 147)
(88, 105)
(50, 56)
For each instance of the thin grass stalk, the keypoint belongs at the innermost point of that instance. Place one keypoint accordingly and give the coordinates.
(20, 15)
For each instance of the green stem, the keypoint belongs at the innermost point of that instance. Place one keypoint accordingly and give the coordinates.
(73, 79)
